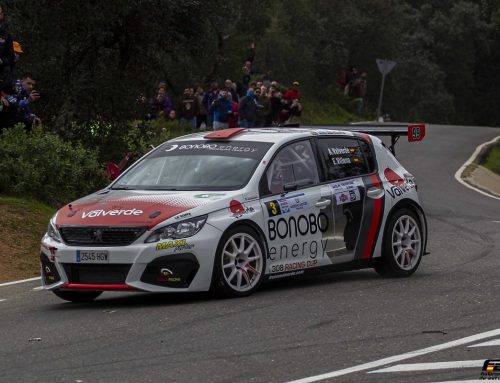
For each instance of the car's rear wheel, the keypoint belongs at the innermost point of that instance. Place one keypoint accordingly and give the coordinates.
(77, 296)
(402, 247)
(240, 263)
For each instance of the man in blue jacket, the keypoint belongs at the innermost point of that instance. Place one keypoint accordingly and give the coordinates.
(247, 110)
(222, 108)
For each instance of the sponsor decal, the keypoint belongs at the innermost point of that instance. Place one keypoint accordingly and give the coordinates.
(177, 245)
(183, 215)
(491, 370)
(343, 186)
(286, 205)
(400, 185)
(172, 147)
(347, 196)
(238, 209)
(291, 266)
(394, 178)
(251, 198)
(104, 213)
(166, 275)
(295, 227)
(299, 249)
(331, 132)
(284, 275)
(211, 196)
(49, 276)
(213, 147)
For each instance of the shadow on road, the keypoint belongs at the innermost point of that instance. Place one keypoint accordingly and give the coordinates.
(347, 281)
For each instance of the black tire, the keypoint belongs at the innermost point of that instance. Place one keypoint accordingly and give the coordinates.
(77, 296)
(393, 263)
(222, 283)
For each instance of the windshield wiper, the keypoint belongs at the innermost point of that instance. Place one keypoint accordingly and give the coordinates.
(122, 188)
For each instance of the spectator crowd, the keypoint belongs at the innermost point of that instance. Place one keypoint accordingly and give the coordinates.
(255, 101)
(16, 93)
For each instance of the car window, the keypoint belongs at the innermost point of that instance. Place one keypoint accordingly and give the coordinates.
(368, 154)
(196, 165)
(346, 157)
(294, 165)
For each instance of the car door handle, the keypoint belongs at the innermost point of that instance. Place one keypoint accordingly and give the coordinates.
(323, 203)
(375, 192)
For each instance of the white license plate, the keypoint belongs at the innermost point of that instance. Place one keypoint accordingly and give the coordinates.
(92, 256)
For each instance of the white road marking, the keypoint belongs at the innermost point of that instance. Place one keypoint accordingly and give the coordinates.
(431, 366)
(20, 281)
(495, 221)
(397, 358)
(458, 174)
(494, 342)
(463, 381)
(38, 288)
(3, 300)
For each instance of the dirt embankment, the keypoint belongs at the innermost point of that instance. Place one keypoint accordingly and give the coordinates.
(22, 225)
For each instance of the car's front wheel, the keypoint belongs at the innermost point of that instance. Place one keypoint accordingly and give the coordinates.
(77, 296)
(240, 262)
(402, 247)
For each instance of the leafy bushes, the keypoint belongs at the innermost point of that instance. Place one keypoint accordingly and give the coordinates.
(43, 166)
(114, 140)
(58, 168)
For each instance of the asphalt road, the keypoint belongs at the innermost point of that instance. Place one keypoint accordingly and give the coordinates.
(291, 329)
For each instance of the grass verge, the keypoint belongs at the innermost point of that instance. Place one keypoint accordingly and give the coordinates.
(22, 224)
(492, 161)
(325, 112)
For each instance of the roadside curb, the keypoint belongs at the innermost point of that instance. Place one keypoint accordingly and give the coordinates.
(480, 179)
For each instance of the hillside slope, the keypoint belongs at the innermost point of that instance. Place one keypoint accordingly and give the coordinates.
(22, 225)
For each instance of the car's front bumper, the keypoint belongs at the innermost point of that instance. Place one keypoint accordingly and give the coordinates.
(165, 266)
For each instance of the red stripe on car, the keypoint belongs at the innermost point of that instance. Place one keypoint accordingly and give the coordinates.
(100, 287)
(374, 224)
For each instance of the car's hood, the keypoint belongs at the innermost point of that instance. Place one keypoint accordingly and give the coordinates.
(140, 208)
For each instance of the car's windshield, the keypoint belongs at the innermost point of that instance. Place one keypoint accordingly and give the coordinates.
(196, 165)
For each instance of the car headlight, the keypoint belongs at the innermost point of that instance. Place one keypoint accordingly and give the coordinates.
(177, 230)
(52, 231)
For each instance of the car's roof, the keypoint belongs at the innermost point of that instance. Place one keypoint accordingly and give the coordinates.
(273, 135)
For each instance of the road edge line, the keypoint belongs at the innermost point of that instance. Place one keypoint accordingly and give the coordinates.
(472, 158)
(20, 281)
(400, 357)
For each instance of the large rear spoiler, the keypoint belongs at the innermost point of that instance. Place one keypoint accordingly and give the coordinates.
(414, 132)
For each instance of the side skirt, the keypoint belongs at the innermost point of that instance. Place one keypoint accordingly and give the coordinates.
(356, 264)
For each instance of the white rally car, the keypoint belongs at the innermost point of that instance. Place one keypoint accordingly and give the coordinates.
(228, 210)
